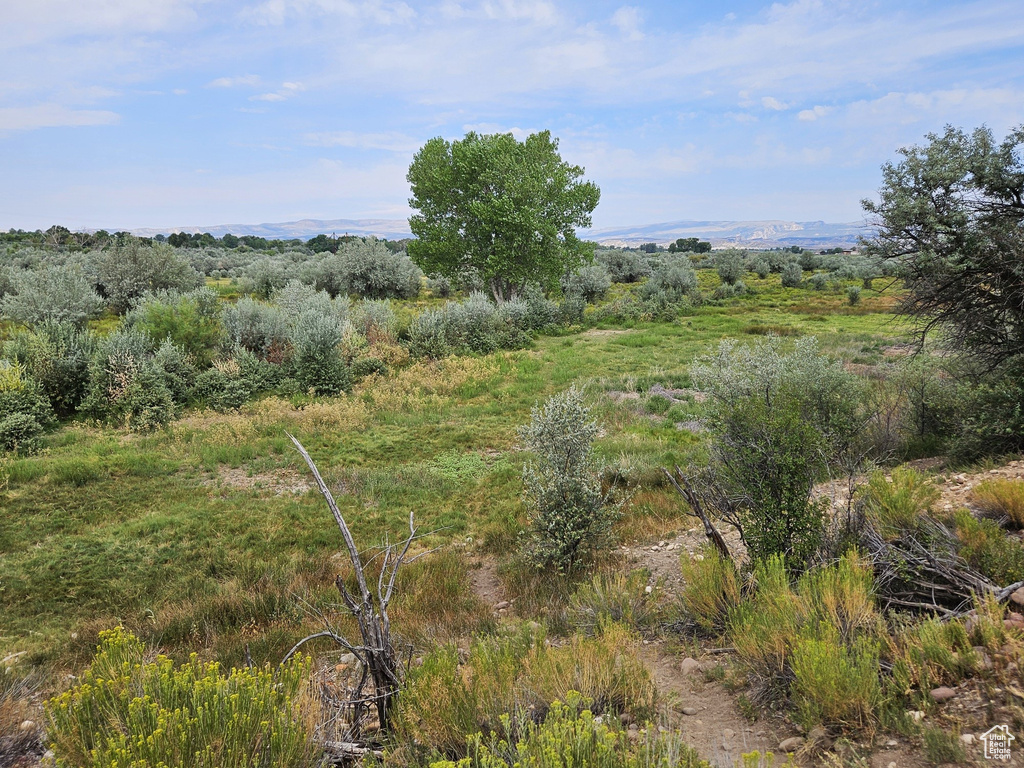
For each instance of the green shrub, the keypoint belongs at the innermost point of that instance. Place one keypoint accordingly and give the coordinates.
(439, 286)
(711, 588)
(125, 386)
(987, 549)
(570, 516)
(778, 421)
(260, 328)
(20, 433)
(624, 266)
(853, 294)
(318, 364)
(835, 684)
(19, 393)
(942, 746)
(819, 281)
(128, 269)
(730, 265)
(591, 282)
(1001, 498)
(57, 356)
(615, 597)
(896, 506)
(761, 267)
(792, 275)
(572, 737)
(990, 414)
(673, 280)
(931, 653)
(190, 320)
(369, 269)
(55, 293)
(124, 710)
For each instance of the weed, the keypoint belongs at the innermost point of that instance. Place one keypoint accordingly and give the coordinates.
(896, 505)
(125, 710)
(614, 597)
(710, 588)
(943, 746)
(1002, 498)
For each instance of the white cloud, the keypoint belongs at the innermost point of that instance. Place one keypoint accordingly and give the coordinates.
(389, 142)
(278, 12)
(770, 102)
(489, 128)
(627, 20)
(52, 116)
(809, 115)
(233, 82)
(286, 91)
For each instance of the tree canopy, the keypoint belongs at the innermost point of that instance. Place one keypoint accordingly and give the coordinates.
(506, 209)
(952, 214)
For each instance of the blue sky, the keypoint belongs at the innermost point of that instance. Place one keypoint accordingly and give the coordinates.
(163, 113)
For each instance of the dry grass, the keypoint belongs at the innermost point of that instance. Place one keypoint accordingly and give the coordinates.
(1001, 498)
(20, 743)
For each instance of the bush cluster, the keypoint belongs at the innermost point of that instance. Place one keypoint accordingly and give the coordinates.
(126, 710)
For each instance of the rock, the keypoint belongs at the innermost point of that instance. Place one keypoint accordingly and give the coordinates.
(892, 743)
(648, 589)
(817, 734)
(916, 715)
(27, 725)
(626, 718)
(347, 658)
(893, 765)
(1018, 597)
(728, 733)
(942, 693)
(689, 711)
(502, 605)
(688, 666)
(967, 738)
(791, 744)
(662, 543)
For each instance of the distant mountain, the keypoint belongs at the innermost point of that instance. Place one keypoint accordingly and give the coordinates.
(392, 229)
(743, 234)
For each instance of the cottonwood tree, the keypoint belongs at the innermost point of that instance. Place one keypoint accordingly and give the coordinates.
(952, 214)
(505, 209)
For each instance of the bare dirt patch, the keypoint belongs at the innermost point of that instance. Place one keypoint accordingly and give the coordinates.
(285, 481)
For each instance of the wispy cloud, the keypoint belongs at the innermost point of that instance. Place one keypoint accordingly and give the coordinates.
(52, 116)
(251, 81)
(389, 142)
(286, 91)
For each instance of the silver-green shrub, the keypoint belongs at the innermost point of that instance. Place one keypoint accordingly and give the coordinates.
(792, 275)
(570, 515)
(59, 293)
(260, 328)
(591, 281)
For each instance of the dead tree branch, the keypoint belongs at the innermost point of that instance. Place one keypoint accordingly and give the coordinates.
(685, 489)
(376, 654)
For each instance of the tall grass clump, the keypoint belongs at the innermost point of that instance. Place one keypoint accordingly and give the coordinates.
(1002, 498)
(125, 710)
(612, 597)
(504, 681)
(835, 683)
(571, 735)
(570, 515)
(896, 504)
(711, 588)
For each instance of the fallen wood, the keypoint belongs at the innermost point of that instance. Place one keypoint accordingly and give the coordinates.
(345, 751)
(686, 491)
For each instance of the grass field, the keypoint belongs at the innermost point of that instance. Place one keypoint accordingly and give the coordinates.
(207, 537)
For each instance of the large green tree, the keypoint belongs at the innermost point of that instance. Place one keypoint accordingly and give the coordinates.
(952, 214)
(505, 209)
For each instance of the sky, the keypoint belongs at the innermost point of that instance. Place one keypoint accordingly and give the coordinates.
(123, 114)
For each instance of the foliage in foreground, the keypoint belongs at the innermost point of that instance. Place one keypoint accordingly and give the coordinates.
(518, 673)
(572, 737)
(125, 710)
(778, 420)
